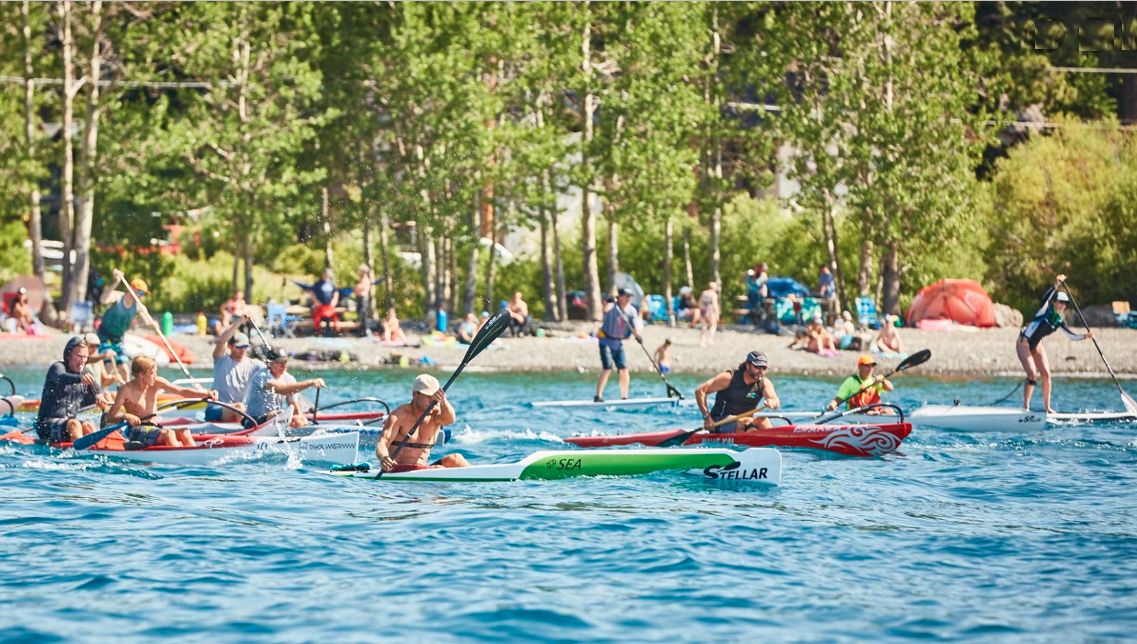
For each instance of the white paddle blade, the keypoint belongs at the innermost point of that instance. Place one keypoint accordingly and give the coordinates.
(1130, 404)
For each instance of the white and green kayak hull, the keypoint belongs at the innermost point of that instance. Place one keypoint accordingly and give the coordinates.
(755, 465)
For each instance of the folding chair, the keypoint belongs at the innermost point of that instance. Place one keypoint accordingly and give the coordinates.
(866, 312)
(279, 321)
(82, 316)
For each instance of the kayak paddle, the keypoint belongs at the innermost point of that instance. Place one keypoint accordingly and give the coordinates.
(918, 358)
(84, 442)
(1126, 399)
(682, 437)
(488, 333)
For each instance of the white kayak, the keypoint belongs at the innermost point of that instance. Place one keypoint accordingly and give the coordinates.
(328, 448)
(625, 403)
(754, 465)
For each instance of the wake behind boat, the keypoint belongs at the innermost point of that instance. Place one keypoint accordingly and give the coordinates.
(756, 465)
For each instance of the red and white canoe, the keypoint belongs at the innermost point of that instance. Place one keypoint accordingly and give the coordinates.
(851, 440)
(330, 448)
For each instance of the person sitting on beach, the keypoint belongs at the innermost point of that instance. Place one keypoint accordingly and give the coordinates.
(137, 402)
(1028, 345)
(414, 453)
(662, 357)
(468, 329)
(232, 369)
(518, 315)
(68, 387)
(887, 340)
(391, 330)
(862, 388)
(117, 319)
(326, 297)
(688, 309)
(22, 313)
(736, 392)
(815, 339)
(273, 390)
(845, 333)
(101, 364)
(482, 319)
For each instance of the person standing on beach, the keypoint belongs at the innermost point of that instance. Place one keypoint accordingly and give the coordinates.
(397, 427)
(1029, 348)
(862, 388)
(619, 324)
(117, 319)
(736, 392)
(709, 313)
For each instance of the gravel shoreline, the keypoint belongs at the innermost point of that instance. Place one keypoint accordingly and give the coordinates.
(963, 352)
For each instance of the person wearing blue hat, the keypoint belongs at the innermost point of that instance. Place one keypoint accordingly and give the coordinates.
(1028, 345)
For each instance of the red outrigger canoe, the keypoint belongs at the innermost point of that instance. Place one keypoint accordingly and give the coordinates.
(850, 440)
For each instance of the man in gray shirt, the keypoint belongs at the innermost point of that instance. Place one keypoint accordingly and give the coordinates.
(273, 389)
(232, 370)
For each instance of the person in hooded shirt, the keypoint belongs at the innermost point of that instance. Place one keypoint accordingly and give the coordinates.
(68, 387)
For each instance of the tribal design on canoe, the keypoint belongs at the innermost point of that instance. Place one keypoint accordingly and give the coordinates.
(864, 441)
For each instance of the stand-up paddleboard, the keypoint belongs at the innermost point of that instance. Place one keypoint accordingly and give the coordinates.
(626, 403)
(1091, 417)
(755, 465)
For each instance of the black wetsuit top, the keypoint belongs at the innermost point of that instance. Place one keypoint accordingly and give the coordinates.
(1045, 322)
(738, 397)
(64, 394)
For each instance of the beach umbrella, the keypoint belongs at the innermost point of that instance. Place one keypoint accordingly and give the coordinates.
(33, 284)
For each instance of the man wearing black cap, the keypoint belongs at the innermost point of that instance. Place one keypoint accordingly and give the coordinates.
(272, 389)
(619, 324)
(232, 370)
(737, 392)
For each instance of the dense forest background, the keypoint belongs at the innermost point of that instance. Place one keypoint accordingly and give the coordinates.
(679, 142)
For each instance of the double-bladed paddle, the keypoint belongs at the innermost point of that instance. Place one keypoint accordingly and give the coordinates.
(682, 437)
(488, 333)
(1126, 399)
(918, 358)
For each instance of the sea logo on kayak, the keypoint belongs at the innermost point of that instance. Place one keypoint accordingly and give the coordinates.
(1028, 418)
(734, 472)
(563, 464)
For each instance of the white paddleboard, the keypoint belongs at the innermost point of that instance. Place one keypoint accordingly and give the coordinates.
(628, 403)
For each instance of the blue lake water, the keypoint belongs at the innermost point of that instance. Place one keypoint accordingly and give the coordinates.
(956, 537)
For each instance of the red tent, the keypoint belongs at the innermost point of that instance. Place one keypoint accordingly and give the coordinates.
(962, 301)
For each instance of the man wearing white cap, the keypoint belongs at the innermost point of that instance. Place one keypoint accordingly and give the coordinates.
(415, 452)
(232, 371)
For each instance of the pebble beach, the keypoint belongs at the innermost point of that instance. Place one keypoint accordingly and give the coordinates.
(961, 353)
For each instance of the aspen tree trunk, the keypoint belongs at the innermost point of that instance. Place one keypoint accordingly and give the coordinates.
(67, 207)
(587, 217)
(88, 157)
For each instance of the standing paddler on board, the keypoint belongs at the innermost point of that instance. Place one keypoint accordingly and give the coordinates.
(737, 392)
(619, 324)
(1029, 348)
(395, 453)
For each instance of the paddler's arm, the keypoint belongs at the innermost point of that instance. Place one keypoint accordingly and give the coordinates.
(717, 383)
(222, 342)
(117, 413)
(382, 448)
(884, 383)
(445, 411)
(185, 392)
(295, 387)
(770, 396)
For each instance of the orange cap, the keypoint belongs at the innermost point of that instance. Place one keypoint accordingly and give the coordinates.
(866, 359)
(139, 285)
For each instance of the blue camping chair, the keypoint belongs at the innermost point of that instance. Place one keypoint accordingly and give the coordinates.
(657, 308)
(866, 312)
(279, 321)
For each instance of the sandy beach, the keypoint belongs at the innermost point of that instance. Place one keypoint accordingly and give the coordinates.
(963, 352)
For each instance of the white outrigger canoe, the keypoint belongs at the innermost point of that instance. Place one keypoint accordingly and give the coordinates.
(328, 448)
(966, 418)
(624, 403)
(754, 465)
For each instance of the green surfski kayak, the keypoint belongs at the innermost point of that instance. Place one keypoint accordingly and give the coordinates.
(755, 465)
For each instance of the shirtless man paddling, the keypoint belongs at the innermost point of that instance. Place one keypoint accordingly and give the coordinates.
(415, 453)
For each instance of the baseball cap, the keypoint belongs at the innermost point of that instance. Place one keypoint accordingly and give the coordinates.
(276, 355)
(426, 384)
(758, 359)
(622, 292)
(239, 340)
(1061, 297)
(23, 291)
(866, 359)
(92, 339)
(139, 285)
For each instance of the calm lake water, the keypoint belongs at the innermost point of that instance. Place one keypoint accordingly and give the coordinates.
(957, 537)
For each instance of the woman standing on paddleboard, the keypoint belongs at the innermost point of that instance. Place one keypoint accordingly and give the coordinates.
(1031, 354)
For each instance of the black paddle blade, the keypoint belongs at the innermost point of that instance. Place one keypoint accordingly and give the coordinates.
(918, 358)
(84, 442)
(491, 331)
(678, 439)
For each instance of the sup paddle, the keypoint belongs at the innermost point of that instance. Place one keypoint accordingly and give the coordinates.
(488, 333)
(154, 323)
(918, 358)
(682, 437)
(1126, 399)
(671, 390)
